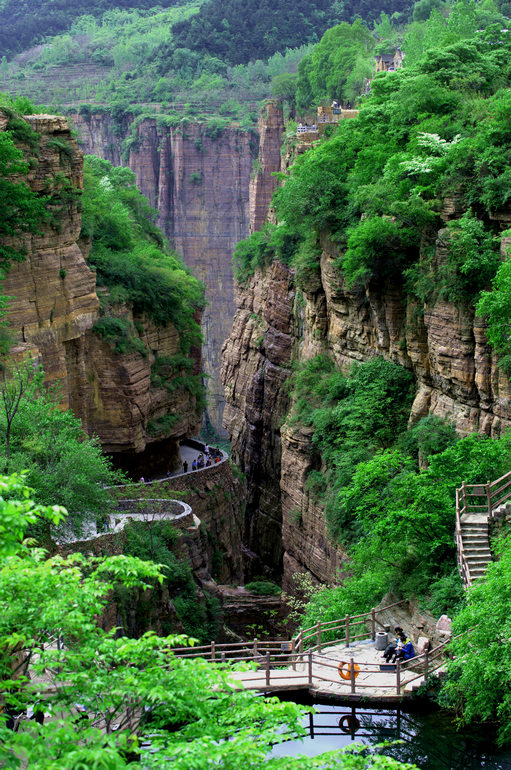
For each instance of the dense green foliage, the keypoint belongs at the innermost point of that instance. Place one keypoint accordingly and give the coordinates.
(479, 675)
(131, 57)
(156, 541)
(353, 417)
(131, 257)
(403, 518)
(22, 209)
(433, 129)
(63, 466)
(389, 492)
(23, 24)
(132, 689)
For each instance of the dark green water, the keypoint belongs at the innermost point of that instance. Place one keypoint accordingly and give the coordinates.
(429, 740)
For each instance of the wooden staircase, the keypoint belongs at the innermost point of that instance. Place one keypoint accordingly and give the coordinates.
(476, 506)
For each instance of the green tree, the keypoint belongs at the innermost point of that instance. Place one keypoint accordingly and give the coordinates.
(284, 87)
(21, 210)
(62, 464)
(479, 675)
(139, 697)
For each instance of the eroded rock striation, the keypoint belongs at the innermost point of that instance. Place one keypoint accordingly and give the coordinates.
(197, 177)
(444, 345)
(53, 308)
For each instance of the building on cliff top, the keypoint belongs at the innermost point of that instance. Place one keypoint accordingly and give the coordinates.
(389, 62)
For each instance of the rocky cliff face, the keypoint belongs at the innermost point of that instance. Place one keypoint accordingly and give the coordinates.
(54, 306)
(443, 345)
(198, 180)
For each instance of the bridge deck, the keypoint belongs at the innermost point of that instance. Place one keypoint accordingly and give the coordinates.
(370, 683)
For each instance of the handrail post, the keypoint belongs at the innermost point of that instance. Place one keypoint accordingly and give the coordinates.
(347, 629)
(255, 649)
(293, 655)
(488, 498)
(268, 668)
(310, 668)
(319, 636)
(464, 496)
(398, 678)
(212, 651)
(373, 624)
(300, 644)
(352, 674)
(426, 663)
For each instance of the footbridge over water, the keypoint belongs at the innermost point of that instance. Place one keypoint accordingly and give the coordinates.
(339, 659)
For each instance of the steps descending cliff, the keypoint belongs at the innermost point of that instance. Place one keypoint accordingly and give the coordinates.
(442, 344)
(198, 180)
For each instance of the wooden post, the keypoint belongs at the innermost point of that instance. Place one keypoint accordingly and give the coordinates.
(398, 678)
(212, 651)
(300, 644)
(310, 668)
(319, 636)
(464, 496)
(426, 663)
(373, 624)
(293, 655)
(255, 649)
(268, 669)
(311, 724)
(352, 674)
(347, 629)
(488, 498)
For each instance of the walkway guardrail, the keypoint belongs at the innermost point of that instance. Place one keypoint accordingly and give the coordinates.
(482, 500)
(293, 663)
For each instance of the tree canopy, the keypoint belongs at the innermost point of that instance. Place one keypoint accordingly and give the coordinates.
(116, 702)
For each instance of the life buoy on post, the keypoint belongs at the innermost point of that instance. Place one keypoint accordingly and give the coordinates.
(346, 673)
(349, 724)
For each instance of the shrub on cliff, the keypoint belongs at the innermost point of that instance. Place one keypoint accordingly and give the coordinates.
(130, 253)
(428, 131)
(21, 209)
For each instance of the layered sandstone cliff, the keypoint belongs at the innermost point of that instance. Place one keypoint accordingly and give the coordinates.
(198, 180)
(444, 345)
(54, 306)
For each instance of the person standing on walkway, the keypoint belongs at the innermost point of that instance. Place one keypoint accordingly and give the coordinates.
(185, 466)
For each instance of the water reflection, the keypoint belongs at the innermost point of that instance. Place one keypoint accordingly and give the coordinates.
(428, 740)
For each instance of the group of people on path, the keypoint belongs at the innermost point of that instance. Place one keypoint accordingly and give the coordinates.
(400, 649)
(204, 460)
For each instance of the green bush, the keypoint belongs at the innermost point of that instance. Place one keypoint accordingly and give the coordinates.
(130, 254)
(263, 588)
(120, 333)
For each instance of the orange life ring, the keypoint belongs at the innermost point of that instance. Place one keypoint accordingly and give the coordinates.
(347, 674)
(349, 724)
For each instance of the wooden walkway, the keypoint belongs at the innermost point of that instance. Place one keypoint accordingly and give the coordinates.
(349, 667)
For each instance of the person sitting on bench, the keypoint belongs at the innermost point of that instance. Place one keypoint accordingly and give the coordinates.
(405, 649)
(391, 648)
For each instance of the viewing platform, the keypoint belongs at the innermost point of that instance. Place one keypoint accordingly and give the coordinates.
(339, 660)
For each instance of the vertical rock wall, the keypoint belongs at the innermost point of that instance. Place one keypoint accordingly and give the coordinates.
(442, 344)
(54, 306)
(198, 180)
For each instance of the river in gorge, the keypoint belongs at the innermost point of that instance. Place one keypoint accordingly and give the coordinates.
(427, 738)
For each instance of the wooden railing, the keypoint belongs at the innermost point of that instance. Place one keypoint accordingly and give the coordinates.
(305, 667)
(478, 499)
